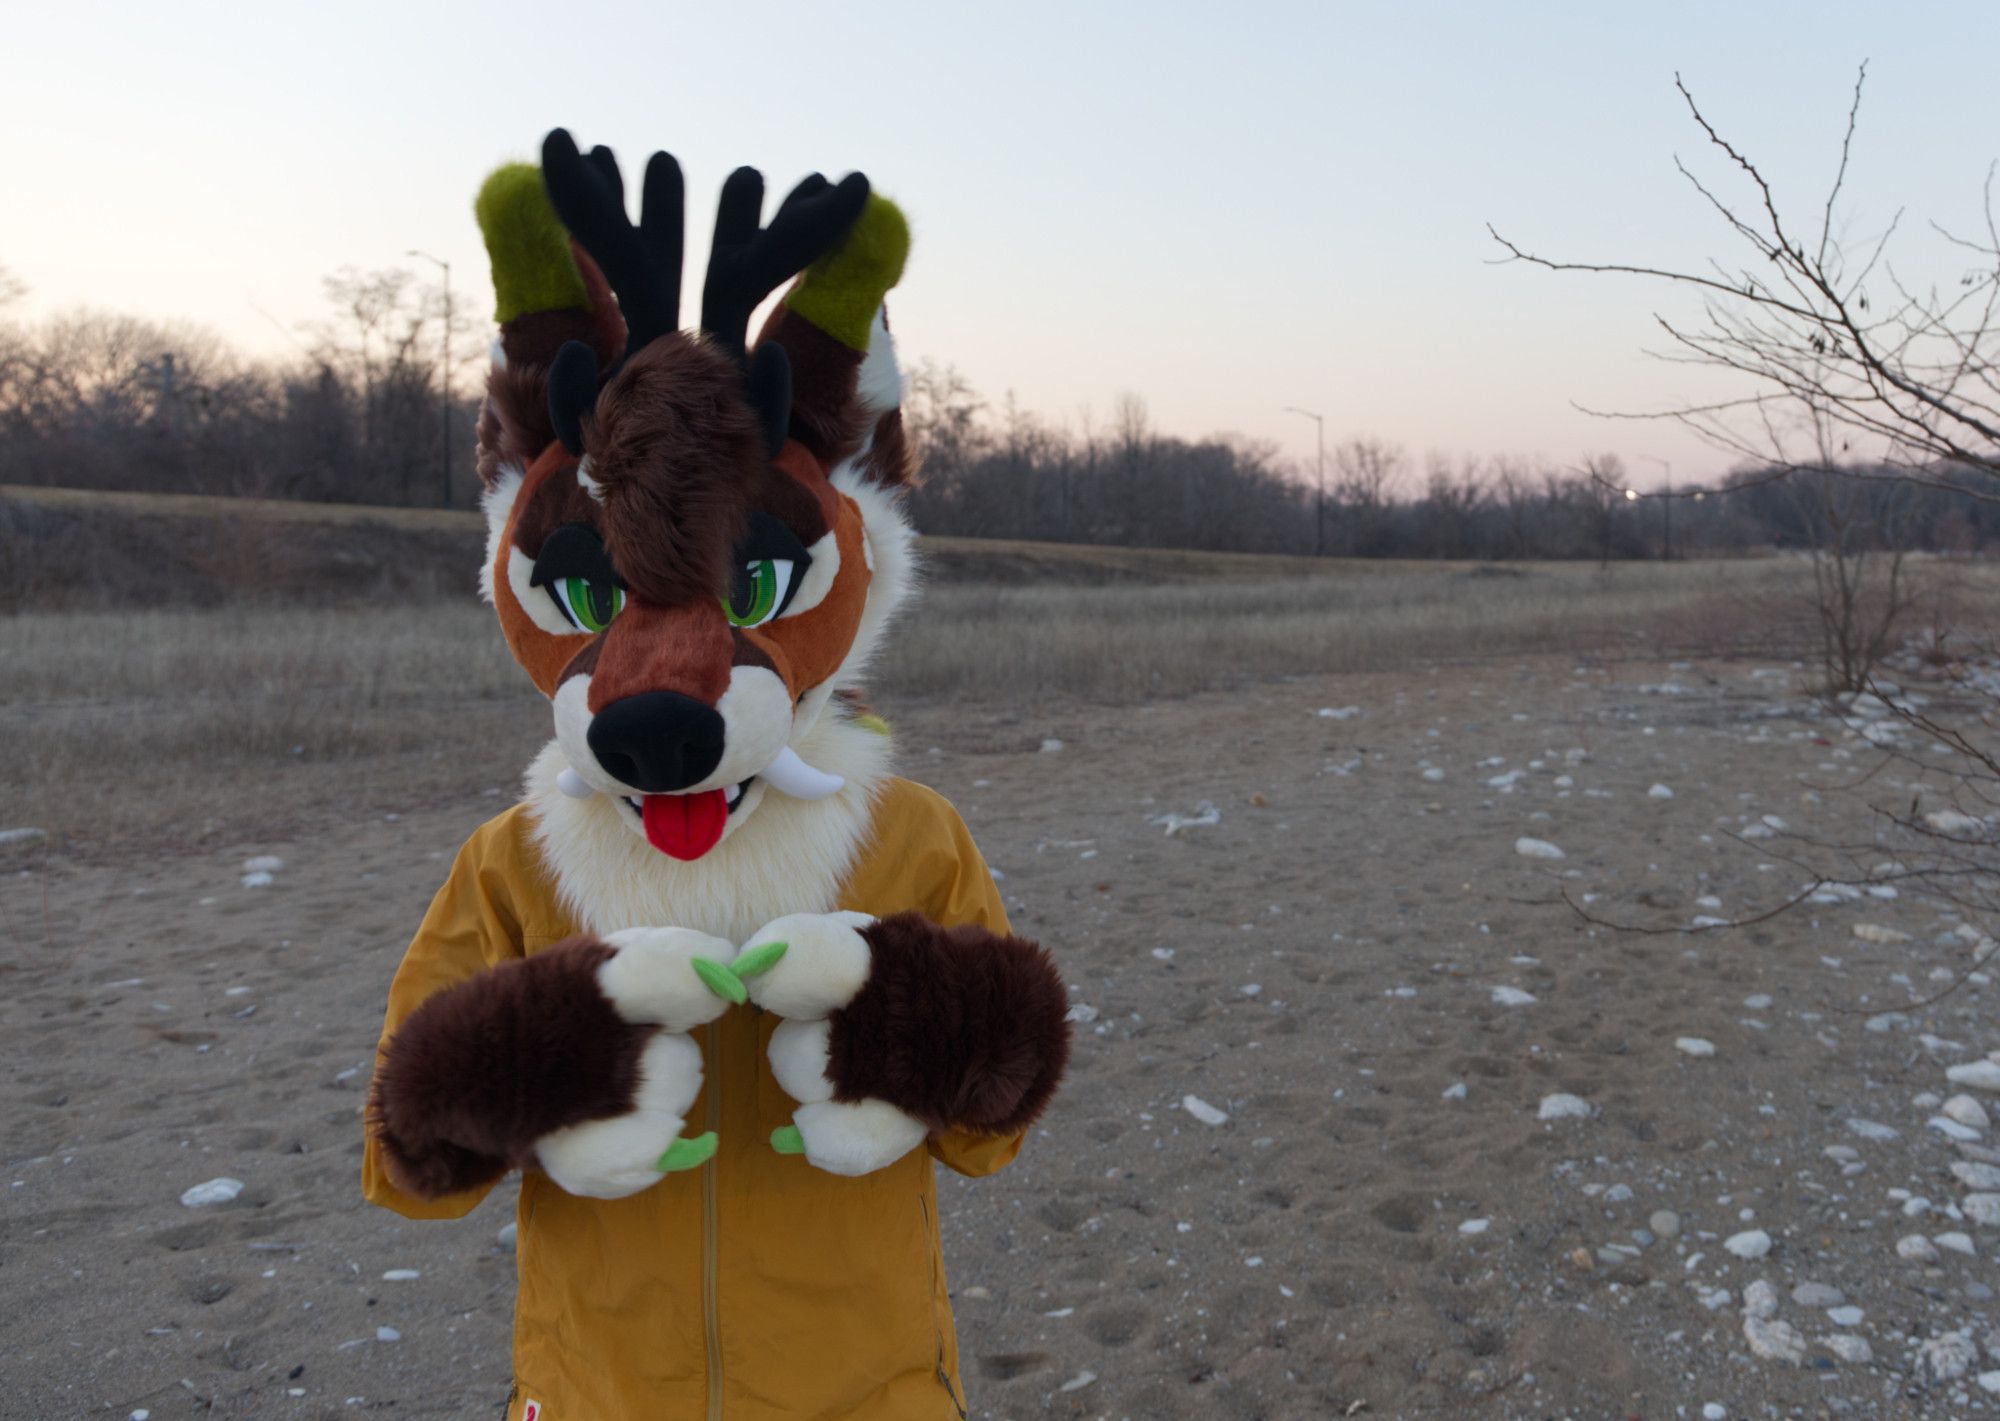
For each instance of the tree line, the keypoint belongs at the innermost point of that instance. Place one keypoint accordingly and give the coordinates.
(1011, 474)
(356, 415)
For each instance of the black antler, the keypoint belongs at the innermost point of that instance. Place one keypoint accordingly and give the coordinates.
(748, 262)
(642, 264)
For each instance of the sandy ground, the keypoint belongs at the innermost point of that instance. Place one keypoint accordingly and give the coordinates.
(1358, 1237)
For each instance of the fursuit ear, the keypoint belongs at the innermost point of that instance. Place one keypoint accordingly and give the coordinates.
(572, 392)
(771, 394)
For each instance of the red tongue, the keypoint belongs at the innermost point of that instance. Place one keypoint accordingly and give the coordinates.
(685, 826)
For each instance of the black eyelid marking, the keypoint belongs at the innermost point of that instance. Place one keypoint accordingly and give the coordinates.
(574, 550)
(770, 537)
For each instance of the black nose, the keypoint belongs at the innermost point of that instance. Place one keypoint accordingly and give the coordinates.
(658, 742)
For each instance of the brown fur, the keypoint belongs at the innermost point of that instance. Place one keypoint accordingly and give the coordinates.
(514, 423)
(890, 462)
(684, 649)
(676, 448)
(483, 1070)
(825, 416)
(956, 1026)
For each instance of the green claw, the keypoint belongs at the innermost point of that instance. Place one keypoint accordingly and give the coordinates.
(787, 1140)
(756, 961)
(720, 980)
(687, 1153)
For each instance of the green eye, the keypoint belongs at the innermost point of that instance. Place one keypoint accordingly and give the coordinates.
(758, 590)
(591, 605)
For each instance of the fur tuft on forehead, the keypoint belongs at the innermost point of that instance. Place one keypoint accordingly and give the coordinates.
(674, 451)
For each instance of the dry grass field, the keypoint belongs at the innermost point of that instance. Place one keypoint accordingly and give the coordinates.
(1350, 960)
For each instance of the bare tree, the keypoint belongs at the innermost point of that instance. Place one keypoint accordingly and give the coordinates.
(1862, 390)
(1907, 371)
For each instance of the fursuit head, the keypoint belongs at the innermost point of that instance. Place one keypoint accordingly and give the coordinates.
(695, 546)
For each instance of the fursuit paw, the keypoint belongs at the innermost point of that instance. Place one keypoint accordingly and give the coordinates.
(807, 966)
(576, 1056)
(857, 1137)
(608, 1159)
(898, 1028)
(671, 977)
(675, 979)
(851, 1139)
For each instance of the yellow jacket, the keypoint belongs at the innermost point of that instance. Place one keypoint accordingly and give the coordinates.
(756, 1286)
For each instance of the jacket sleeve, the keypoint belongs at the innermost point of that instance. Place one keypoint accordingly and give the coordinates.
(471, 925)
(962, 890)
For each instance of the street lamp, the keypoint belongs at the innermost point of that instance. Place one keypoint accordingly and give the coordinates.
(445, 267)
(1666, 506)
(1319, 503)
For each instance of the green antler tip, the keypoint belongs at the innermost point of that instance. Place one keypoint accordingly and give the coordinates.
(787, 1140)
(756, 960)
(721, 980)
(687, 1153)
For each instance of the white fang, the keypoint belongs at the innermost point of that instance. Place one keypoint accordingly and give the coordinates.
(788, 774)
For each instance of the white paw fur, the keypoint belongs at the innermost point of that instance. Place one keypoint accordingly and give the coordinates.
(825, 964)
(650, 979)
(856, 1139)
(609, 1159)
(798, 1053)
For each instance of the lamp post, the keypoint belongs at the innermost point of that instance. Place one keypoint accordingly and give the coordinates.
(1319, 503)
(445, 267)
(1666, 507)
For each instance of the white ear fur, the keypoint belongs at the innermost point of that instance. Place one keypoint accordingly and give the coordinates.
(892, 553)
(879, 386)
(497, 503)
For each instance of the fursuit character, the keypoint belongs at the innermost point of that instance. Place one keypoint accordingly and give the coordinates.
(720, 986)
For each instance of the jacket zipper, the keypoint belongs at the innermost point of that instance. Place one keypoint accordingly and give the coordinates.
(711, 1230)
(937, 1325)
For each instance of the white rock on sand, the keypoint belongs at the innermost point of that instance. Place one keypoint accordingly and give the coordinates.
(1967, 1112)
(1980, 1075)
(1849, 1348)
(215, 1191)
(1916, 1249)
(1872, 1130)
(1773, 1340)
(1659, 792)
(1974, 1175)
(1694, 1046)
(1949, 1357)
(1564, 1107)
(1203, 1111)
(1760, 1299)
(1982, 1209)
(1537, 849)
(1513, 997)
(1750, 1244)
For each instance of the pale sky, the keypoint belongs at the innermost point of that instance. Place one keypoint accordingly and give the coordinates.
(1226, 209)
